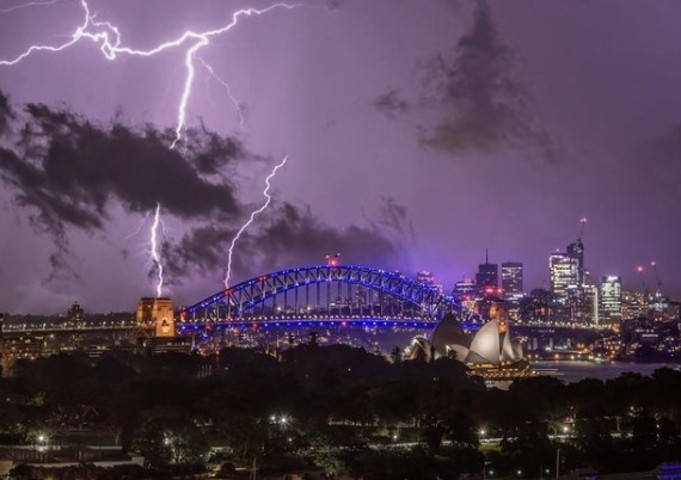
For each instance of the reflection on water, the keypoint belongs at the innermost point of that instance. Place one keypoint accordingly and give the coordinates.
(578, 370)
(574, 371)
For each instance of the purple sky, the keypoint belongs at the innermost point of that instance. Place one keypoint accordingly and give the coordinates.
(569, 109)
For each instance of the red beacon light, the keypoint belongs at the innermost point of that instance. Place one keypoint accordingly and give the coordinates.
(332, 260)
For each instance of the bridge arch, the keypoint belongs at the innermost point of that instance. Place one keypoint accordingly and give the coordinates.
(245, 297)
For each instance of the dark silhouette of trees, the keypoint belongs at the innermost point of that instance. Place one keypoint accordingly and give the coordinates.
(342, 410)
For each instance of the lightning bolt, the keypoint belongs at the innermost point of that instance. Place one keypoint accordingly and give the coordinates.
(139, 227)
(153, 242)
(255, 213)
(222, 82)
(26, 5)
(108, 37)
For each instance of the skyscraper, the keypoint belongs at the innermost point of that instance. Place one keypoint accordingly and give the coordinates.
(465, 289)
(512, 279)
(487, 278)
(610, 299)
(564, 276)
(576, 251)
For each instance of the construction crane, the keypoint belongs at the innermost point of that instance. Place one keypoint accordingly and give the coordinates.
(582, 224)
(657, 275)
(639, 271)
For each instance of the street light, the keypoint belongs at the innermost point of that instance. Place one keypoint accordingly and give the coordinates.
(485, 472)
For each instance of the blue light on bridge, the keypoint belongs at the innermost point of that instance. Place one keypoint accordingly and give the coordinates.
(356, 323)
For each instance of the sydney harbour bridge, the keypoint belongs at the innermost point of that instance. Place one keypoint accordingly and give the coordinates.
(316, 296)
(324, 295)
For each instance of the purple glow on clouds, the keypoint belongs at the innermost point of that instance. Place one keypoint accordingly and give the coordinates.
(601, 78)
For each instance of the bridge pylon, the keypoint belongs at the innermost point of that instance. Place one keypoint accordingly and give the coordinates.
(156, 313)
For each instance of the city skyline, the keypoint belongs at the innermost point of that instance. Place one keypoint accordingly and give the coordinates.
(384, 166)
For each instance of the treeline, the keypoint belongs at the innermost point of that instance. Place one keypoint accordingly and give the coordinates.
(345, 411)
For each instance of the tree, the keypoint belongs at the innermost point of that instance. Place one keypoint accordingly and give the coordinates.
(461, 429)
(166, 441)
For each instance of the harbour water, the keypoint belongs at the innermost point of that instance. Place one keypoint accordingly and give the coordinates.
(574, 371)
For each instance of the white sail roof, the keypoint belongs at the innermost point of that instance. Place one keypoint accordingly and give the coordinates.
(485, 344)
(507, 352)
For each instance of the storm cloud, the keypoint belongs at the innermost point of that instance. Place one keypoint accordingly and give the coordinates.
(6, 113)
(481, 104)
(287, 236)
(72, 174)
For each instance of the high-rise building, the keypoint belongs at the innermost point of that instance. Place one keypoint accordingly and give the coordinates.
(512, 279)
(610, 299)
(593, 305)
(487, 278)
(576, 251)
(564, 276)
(634, 304)
(465, 289)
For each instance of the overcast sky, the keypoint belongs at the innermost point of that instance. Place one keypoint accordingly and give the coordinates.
(418, 132)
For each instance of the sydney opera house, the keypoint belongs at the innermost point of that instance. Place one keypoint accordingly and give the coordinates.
(490, 352)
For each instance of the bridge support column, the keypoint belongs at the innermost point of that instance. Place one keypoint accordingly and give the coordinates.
(158, 314)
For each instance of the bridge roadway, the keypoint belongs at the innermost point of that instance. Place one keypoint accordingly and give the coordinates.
(10, 331)
(289, 322)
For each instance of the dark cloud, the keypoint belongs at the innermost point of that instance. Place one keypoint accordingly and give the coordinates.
(202, 250)
(6, 113)
(297, 236)
(390, 103)
(71, 170)
(483, 107)
(210, 152)
(69, 173)
(289, 236)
